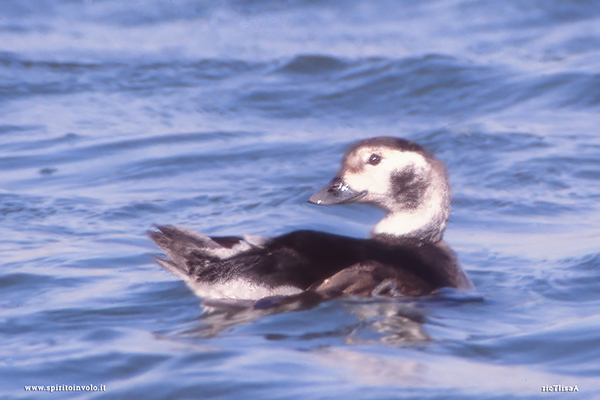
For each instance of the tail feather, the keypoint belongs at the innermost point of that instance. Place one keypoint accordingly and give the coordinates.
(173, 239)
(181, 246)
(174, 268)
(188, 250)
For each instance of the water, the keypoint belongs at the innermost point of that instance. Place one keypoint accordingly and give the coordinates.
(224, 117)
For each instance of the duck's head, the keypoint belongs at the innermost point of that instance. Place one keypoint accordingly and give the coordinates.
(400, 177)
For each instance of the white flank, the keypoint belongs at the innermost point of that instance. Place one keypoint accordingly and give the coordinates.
(239, 289)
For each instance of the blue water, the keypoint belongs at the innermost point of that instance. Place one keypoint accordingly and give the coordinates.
(224, 117)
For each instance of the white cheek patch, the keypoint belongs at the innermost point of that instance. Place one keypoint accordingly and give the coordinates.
(376, 179)
(369, 181)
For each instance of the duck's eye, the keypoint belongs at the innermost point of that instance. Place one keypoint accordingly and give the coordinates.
(374, 159)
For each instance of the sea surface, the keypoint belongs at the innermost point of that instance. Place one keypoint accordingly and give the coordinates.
(224, 117)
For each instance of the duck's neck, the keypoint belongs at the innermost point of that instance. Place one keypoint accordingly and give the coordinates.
(424, 224)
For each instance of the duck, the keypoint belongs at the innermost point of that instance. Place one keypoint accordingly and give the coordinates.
(405, 254)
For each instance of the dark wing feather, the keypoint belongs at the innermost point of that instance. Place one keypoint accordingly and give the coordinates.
(331, 265)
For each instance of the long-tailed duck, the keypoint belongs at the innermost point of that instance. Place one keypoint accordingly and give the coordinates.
(405, 255)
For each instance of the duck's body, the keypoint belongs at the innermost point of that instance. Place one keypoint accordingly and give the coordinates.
(404, 257)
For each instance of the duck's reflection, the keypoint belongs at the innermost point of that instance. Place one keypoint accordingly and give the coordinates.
(355, 320)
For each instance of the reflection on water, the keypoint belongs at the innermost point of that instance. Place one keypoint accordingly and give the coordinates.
(390, 321)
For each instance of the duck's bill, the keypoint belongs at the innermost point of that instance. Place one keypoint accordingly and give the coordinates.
(336, 192)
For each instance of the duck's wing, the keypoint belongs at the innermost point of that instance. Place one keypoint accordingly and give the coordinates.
(241, 266)
(331, 265)
(373, 279)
